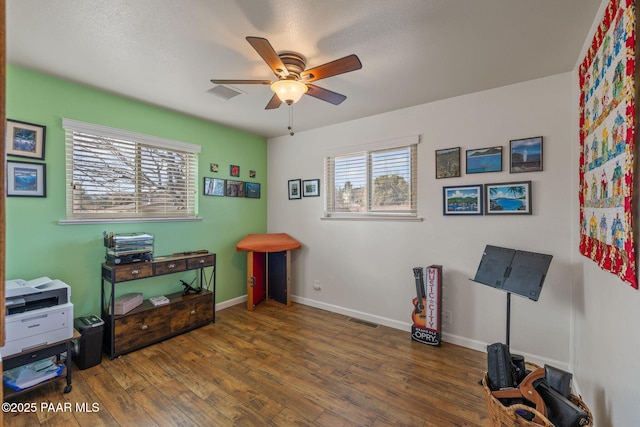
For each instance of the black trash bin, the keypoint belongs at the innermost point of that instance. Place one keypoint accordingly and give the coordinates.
(87, 350)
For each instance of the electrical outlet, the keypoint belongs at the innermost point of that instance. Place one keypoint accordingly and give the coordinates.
(447, 317)
(316, 285)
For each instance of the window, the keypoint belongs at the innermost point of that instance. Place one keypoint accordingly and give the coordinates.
(375, 180)
(118, 175)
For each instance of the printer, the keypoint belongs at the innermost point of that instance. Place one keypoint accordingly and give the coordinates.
(38, 312)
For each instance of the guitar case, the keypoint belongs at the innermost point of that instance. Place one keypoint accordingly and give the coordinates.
(500, 372)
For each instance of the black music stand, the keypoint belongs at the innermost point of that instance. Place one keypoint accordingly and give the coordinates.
(513, 271)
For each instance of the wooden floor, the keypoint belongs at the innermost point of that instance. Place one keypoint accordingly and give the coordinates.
(275, 366)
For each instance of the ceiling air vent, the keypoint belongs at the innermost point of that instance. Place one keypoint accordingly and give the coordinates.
(224, 92)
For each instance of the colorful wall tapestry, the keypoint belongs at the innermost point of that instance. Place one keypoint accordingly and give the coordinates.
(607, 129)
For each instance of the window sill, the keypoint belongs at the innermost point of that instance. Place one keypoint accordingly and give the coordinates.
(372, 218)
(124, 220)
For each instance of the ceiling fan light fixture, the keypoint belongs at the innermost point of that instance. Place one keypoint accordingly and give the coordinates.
(289, 91)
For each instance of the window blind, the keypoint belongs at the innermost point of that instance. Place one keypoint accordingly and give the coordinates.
(115, 174)
(378, 180)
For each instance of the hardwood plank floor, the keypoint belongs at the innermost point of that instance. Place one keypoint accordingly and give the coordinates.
(275, 366)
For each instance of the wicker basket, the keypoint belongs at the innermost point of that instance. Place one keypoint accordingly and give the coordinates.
(506, 416)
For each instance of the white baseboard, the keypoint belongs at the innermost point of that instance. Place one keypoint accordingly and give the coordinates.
(231, 302)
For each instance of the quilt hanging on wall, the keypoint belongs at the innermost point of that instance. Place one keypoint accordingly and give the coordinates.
(607, 129)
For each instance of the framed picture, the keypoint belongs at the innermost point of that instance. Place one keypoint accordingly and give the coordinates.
(234, 170)
(508, 198)
(252, 190)
(213, 187)
(484, 160)
(213, 167)
(234, 188)
(448, 163)
(311, 188)
(526, 155)
(294, 189)
(26, 179)
(25, 139)
(462, 200)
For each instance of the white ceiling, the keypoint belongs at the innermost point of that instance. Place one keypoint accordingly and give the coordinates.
(164, 52)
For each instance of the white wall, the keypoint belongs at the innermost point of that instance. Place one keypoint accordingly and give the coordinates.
(365, 268)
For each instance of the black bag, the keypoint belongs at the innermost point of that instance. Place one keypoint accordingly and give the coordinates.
(558, 380)
(500, 370)
(561, 411)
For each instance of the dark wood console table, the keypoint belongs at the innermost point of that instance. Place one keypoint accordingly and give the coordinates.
(148, 324)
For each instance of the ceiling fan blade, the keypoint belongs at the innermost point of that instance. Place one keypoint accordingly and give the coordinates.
(273, 103)
(240, 82)
(334, 98)
(333, 68)
(269, 55)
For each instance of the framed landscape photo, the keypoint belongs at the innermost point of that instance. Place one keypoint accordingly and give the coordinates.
(26, 179)
(213, 187)
(252, 190)
(311, 188)
(525, 155)
(448, 163)
(462, 200)
(484, 160)
(508, 198)
(25, 139)
(234, 188)
(294, 189)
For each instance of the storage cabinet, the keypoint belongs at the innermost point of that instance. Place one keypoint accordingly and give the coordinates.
(268, 267)
(148, 324)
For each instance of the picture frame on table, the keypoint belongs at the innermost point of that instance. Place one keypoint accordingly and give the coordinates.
(294, 189)
(483, 160)
(448, 163)
(462, 200)
(508, 198)
(26, 179)
(25, 139)
(525, 155)
(311, 188)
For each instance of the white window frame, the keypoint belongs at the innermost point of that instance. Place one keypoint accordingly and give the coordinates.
(410, 214)
(139, 144)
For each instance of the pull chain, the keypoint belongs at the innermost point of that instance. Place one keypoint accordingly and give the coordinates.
(290, 120)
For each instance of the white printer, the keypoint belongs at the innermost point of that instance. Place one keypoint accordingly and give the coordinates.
(38, 312)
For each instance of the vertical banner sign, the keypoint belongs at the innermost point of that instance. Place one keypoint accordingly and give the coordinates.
(427, 312)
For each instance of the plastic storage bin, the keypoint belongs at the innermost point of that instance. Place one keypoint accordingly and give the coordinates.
(87, 350)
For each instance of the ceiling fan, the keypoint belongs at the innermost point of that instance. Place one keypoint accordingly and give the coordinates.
(293, 79)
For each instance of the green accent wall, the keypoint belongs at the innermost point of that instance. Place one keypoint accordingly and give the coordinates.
(36, 245)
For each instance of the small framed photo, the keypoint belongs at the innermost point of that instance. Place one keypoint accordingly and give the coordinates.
(25, 139)
(508, 198)
(26, 179)
(213, 187)
(252, 190)
(213, 167)
(234, 188)
(234, 171)
(294, 189)
(484, 160)
(462, 200)
(448, 163)
(311, 188)
(252, 174)
(526, 155)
